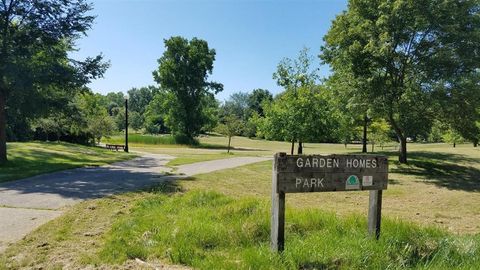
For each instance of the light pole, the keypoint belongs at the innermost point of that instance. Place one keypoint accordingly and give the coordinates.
(126, 123)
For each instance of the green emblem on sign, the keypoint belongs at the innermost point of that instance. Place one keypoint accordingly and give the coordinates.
(352, 182)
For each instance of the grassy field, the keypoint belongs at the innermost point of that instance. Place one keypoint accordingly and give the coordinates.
(221, 219)
(439, 186)
(28, 159)
(208, 230)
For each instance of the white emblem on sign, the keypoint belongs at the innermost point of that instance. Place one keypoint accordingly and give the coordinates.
(352, 182)
(367, 180)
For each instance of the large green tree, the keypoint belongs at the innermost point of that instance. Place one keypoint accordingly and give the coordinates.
(183, 73)
(35, 37)
(396, 50)
(304, 115)
(293, 75)
(95, 118)
(459, 104)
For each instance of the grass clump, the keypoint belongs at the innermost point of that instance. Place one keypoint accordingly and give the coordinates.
(207, 230)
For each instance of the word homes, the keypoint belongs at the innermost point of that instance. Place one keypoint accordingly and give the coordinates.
(319, 162)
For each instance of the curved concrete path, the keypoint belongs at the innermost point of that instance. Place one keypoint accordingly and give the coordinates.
(215, 165)
(28, 203)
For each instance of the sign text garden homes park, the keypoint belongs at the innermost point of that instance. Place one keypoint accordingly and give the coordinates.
(298, 173)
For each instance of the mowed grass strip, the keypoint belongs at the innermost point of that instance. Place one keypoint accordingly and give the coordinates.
(28, 159)
(208, 230)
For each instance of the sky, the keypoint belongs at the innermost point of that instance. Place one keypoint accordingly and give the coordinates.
(250, 38)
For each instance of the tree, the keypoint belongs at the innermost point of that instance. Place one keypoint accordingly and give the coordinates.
(139, 98)
(232, 126)
(396, 51)
(35, 37)
(183, 73)
(256, 100)
(238, 105)
(136, 120)
(348, 108)
(210, 109)
(304, 115)
(379, 132)
(453, 137)
(156, 113)
(115, 101)
(48, 126)
(100, 125)
(293, 74)
(119, 118)
(97, 122)
(459, 105)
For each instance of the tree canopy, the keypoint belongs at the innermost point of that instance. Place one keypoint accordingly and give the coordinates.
(395, 52)
(35, 37)
(183, 72)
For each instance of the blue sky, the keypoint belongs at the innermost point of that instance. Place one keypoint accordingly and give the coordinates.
(250, 38)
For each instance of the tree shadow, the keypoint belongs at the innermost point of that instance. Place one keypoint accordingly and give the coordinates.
(33, 162)
(58, 189)
(394, 182)
(442, 169)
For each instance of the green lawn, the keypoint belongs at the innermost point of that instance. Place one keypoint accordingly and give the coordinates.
(32, 158)
(207, 230)
(220, 220)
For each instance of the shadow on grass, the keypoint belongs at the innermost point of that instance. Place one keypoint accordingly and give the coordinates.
(31, 162)
(86, 183)
(442, 169)
(394, 182)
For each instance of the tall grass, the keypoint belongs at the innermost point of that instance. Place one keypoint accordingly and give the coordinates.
(207, 230)
(141, 139)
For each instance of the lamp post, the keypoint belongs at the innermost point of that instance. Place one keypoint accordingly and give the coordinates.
(126, 123)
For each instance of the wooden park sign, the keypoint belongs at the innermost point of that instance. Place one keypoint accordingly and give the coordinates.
(316, 173)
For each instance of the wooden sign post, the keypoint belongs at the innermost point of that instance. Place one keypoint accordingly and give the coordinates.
(316, 173)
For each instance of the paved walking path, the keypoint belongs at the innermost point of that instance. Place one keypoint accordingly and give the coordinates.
(215, 165)
(28, 203)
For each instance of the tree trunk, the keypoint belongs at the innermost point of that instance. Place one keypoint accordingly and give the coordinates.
(364, 142)
(3, 128)
(300, 148)
(454, 144)
(475, 143)
(373, 147)
(293, 147)
(402, 157)
(229, 140)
